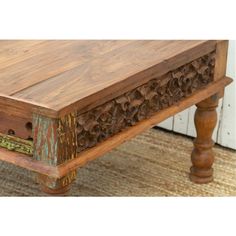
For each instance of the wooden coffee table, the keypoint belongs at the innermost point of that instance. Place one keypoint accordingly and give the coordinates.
(64, 103)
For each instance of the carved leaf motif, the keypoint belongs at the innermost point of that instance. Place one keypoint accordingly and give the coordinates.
(159, 93)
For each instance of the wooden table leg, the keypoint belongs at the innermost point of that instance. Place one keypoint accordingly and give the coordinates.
(56, 186)
(202, 155)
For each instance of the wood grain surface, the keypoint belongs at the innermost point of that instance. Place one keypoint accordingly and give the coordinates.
(94, 152)
(56, 77)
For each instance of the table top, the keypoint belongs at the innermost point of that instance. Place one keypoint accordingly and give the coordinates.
(58, 75)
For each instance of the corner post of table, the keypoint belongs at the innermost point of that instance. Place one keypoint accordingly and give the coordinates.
(205, 121)
(55, 142)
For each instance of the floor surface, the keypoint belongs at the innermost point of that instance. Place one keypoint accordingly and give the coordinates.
(155, 163)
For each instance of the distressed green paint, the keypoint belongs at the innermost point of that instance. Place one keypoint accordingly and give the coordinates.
(16, 144)
(54, 139)
(45, 139)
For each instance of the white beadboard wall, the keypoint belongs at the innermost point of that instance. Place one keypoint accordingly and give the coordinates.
(225, 131)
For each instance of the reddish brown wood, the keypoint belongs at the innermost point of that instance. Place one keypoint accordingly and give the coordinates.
(205, 121)
(38, 61)
(202, 155)
(90, 96)
(128, 109)
(48, 80)
(100, 149)
(56, 186)
(221, 59)
(15, 125)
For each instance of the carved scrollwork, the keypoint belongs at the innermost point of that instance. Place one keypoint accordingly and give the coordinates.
(16, 144)
(159, 93)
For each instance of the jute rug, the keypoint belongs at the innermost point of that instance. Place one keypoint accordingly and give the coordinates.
(155, 163)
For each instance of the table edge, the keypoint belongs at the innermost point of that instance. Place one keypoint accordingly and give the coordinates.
(87, 155)
(26, 108)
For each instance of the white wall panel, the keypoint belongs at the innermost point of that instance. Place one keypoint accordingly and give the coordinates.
(180, 124)
(191, 131)
(225, 131)
(167, 124)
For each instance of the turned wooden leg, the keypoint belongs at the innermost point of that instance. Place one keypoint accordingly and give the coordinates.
(56, 186)
(202, 155)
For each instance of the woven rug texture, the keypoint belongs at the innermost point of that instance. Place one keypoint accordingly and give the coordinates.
(155, 163)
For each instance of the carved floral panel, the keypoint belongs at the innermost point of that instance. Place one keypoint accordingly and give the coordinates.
(159, 93)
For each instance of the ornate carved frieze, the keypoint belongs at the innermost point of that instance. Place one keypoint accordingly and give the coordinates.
(16, 144)
(58, 140)
(159, 93)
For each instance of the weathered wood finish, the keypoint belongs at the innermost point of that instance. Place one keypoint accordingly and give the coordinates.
(45, 139)
(67, 138)
(90, 96)
(16, 144)
(19, 126)
(221, 59)
(130, 108)
(55, 140)
(36, 61)
(47, 78)
(202, 156)
(58, 186)
(82, 158)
